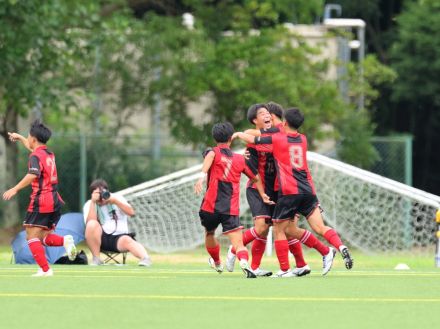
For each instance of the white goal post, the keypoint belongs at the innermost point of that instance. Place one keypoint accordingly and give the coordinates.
(371, 212)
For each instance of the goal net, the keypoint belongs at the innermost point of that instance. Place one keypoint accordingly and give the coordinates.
(370, 212)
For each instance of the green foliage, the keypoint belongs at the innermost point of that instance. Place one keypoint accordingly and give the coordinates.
(375, 74)
(417, 52)
(219, 16)
(37, 52)
(244, 68)
(355, 146)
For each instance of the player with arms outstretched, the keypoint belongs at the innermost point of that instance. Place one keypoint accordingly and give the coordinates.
(296, 189)
(44, 209)
(222, 170)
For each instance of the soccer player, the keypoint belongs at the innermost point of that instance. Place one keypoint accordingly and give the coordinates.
(261, 157)
(297, 192)
(298, 235)
(222, 169)
(295, 235)
(43, 212)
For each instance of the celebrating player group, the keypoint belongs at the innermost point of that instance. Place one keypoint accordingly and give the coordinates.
(280, 189)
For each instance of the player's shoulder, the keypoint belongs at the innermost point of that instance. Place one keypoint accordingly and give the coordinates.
(303, 137)
(35, 155)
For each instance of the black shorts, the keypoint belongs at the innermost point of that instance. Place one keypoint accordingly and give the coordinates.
(290, 205)
(210, 221)
(257, 205)
(109, 242)
(47, 221)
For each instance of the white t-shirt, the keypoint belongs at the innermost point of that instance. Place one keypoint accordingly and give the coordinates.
(105, 216)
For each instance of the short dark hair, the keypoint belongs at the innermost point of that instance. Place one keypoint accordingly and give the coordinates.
(98, 183)
(41, 132)
(222, 132)
(294, 117)
(253, 111)
(275, 108)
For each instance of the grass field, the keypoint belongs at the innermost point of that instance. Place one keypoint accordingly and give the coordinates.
(180, 291)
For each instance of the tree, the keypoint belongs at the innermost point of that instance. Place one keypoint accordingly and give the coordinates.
(416, 54)
(38, 56)
(184, 66)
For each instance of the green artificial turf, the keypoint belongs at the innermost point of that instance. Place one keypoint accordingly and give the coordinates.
(180, 291)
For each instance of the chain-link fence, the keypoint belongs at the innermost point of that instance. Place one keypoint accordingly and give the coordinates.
(395, 158)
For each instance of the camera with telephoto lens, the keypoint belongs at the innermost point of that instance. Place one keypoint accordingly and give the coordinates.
(104, 194)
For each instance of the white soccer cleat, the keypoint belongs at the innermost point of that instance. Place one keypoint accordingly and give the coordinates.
(327, 261)
(284, 274)
(301, 271)
(230, 260)
(217, 267)
(246, 269)
(261, 272)
(145, 262)
(69, 245)
(40, 272)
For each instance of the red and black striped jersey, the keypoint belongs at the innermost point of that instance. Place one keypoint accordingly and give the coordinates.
(261, 157)
(44, 197)
(223, 185)
(290, 154)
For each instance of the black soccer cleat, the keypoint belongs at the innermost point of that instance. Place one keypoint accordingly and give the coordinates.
(348, 260)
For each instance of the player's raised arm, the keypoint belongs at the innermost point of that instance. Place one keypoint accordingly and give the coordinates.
(207, 163)
(251, 139)
(253, 132)
(14, 137)
(245, 137)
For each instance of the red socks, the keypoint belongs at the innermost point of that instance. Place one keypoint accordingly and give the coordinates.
(243, 254)
(312, 241)
(296, 250)
(258, 248)
(53, 240)
(38, 253)
(248, 236)
(214, 253)
(333, 238)
(282, 250)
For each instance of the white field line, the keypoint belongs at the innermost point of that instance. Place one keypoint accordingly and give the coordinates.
(222, 298)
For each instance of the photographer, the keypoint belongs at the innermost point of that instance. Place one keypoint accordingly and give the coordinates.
(105, 215)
